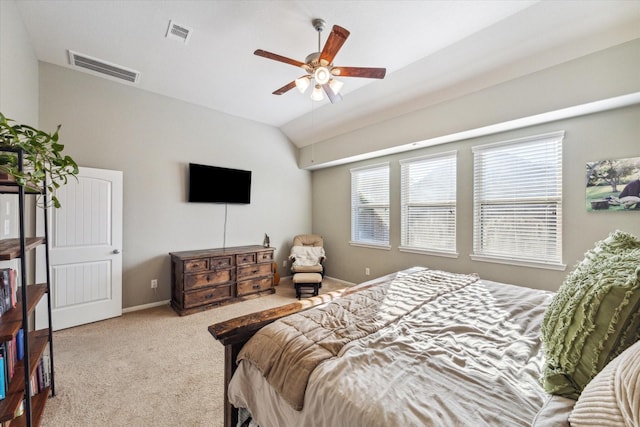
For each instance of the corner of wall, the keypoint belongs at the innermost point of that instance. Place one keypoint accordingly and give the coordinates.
(19, 86)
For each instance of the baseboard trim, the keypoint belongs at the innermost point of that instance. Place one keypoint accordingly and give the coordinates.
(145, 306)
(341, 281)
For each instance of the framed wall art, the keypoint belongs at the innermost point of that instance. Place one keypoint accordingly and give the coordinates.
(613, 185)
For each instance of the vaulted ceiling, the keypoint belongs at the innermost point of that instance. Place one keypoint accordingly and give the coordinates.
(432, 50)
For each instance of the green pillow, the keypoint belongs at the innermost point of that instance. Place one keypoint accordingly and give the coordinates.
(594, 316)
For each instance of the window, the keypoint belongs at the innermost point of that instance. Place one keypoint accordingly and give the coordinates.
(370, 205)
(518, 201)
(428, 204)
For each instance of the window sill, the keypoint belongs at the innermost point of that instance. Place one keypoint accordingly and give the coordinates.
(412, 250)
(370, 245)
(521, 263)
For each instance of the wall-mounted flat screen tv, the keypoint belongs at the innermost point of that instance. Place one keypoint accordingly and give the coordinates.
(212, 184)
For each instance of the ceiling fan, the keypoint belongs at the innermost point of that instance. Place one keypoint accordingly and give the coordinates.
(319, 66)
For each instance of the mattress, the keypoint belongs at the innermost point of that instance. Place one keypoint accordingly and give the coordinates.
(470, 356)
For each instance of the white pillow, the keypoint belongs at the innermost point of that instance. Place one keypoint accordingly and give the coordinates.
(307, 255)
(612, 398)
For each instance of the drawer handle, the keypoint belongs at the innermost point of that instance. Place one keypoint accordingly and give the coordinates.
(208, 278)
(256, 286)
(208, 296)
(254, 271)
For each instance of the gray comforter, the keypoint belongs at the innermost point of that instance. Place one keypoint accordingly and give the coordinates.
(430, 348)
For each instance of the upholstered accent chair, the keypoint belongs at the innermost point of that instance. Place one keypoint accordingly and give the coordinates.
(307, 254)
(307, 257)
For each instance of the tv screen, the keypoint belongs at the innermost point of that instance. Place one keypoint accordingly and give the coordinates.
(212, 184)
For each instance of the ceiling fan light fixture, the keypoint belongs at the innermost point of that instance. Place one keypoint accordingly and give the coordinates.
(335, 85)
(322, 75)
(317, 95)
(303, 83)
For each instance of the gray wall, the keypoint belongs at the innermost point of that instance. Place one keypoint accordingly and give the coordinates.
(612, 134)
(152, 139)
(18, 101)
(18, 68)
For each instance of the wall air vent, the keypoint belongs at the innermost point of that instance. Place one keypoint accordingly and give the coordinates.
(178, 32)
(103, 67)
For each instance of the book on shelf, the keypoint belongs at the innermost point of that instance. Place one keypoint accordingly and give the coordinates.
(46, 366)
(8, 290)
(11, 356)
(3, 379)
(14, 288)
(5, 290)
(8, 368)
(20, 344)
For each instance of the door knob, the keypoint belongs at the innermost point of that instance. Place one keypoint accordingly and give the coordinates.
(116, 251)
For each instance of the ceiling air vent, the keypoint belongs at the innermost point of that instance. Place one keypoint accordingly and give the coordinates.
(103, 67)
(178, 32)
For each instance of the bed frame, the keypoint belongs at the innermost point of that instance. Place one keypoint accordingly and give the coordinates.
(234, 333)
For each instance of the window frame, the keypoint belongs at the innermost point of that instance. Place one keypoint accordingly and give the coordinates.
(449, 204)
(481, 202)
(356, 207)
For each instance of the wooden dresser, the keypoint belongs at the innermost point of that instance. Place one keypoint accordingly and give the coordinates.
(206, 278)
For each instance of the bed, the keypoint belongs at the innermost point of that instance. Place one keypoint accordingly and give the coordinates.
(448, 349)
(418, 347)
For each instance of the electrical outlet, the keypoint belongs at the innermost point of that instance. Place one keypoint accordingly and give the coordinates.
(7, 227)
(284, 263)
(367, 271)
(154, 283)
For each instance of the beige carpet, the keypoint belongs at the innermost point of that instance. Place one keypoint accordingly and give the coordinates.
(149, 367)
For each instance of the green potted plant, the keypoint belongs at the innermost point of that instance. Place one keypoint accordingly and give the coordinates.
(43, 161)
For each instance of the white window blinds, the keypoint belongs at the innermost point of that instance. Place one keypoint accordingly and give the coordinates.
(428, 203)
(518, 200)
(370, 205)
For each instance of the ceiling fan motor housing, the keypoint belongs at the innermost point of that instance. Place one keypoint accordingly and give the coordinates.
(319, 24)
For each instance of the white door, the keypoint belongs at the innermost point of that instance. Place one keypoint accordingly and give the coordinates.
(85, 244)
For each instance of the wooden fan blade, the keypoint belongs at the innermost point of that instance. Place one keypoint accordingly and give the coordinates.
(334, 42)
(370, 73)
(285, 88)
(333, 97)
(277, 57)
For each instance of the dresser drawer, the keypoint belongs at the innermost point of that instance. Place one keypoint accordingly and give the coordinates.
(208, 295)
(246, 258)
(265, 256)
(221, 262)
(199, 280)
(193, 265)
(254, 270)
(251, 286)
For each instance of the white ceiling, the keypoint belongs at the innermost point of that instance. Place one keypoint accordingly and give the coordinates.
(433, 50)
